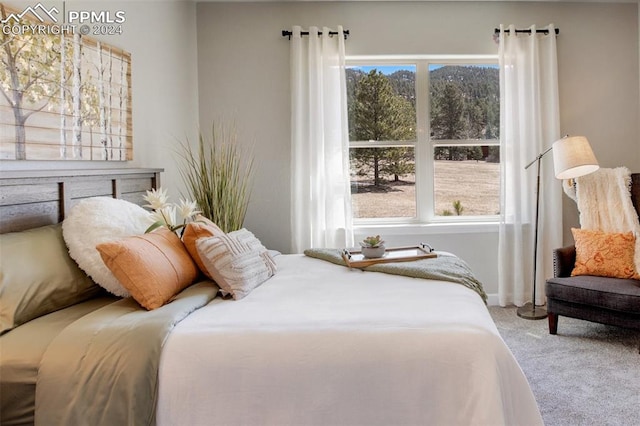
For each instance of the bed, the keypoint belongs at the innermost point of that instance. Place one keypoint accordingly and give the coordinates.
(315, 344)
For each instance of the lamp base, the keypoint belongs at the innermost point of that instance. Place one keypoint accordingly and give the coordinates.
(532, 312)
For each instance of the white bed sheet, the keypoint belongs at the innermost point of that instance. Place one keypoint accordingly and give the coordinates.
(320, 344)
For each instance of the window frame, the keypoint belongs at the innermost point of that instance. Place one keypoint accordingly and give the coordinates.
(423, 144)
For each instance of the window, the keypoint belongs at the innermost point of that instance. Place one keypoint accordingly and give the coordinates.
(424, 139)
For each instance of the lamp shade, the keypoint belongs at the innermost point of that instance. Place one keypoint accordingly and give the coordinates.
(573, 157)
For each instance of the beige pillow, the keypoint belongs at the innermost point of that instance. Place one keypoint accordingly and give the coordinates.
(201, 228)
(236, 261)
(37, 276)
(153, 267)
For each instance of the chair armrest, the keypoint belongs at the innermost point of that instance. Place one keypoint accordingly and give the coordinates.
(564, 260)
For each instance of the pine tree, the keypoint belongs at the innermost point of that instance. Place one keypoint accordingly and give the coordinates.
(447, 113)
(480, 104)
(379, 114)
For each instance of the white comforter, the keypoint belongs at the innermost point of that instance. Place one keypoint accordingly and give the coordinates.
(320, 344)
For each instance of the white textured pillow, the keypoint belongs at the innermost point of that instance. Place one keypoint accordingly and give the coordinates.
(237, 261)
(99, 220)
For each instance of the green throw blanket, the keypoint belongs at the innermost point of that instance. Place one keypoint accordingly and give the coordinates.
(445, 268)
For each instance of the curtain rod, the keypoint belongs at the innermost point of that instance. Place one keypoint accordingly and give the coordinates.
(528, 31)
(287, 33)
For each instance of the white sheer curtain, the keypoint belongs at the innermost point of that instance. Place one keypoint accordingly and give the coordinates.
(529, 109)
(320, 198)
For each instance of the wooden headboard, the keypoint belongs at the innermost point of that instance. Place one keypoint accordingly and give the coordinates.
(33, 198)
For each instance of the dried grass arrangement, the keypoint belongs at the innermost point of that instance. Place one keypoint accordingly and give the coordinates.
(219, 176)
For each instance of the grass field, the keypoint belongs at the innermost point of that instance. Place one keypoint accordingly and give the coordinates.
(476, 184)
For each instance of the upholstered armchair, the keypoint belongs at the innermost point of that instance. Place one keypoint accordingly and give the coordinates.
(613, 301)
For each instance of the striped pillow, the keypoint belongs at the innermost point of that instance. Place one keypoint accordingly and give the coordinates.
(237, 261)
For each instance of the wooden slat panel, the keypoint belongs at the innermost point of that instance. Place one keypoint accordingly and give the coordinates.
(135, 185)
(132, 197)
(89, 188)
(6, 176)
(135, 197)
(35, 198)
(22, 194)
(24, 216)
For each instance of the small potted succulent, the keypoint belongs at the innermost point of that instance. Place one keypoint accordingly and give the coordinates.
(372, 247)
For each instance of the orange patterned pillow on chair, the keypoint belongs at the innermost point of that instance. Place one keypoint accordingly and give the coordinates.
(605, 255)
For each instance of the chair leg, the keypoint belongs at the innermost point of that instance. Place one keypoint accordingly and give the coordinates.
(553, 323)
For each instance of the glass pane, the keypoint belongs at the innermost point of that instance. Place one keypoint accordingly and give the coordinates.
(383, 182)
(381, 102)
(467, 180)
(465, 101)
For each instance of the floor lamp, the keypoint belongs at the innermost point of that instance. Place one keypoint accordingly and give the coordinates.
(572, 158)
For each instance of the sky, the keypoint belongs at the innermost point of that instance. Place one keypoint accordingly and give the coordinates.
(385, 69)
(390, 69)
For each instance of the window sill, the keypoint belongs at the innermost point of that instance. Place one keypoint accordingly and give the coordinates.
(426, 229)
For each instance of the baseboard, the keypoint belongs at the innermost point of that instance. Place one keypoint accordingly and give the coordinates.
(493, 300)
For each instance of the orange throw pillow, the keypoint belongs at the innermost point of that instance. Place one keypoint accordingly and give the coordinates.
(153, 267)
(201, 228)
(605, 255)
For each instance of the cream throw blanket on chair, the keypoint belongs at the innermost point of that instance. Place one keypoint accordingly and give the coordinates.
(604, 203)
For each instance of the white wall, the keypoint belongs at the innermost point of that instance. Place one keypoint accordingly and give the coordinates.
(161, 37)
(244, 71)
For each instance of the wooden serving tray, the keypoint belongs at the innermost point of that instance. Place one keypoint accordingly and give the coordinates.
(355, 259)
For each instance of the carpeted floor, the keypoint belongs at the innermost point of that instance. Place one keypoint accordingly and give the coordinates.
(587, 374)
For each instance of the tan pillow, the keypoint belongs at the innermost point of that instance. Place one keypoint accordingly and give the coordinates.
(236, 261)
(153, 267)
(37, 276)
(604, 254)
(201, 228)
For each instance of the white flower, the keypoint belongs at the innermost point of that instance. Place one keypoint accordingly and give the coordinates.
(157, 199)
(187, 209)
(166, 215)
